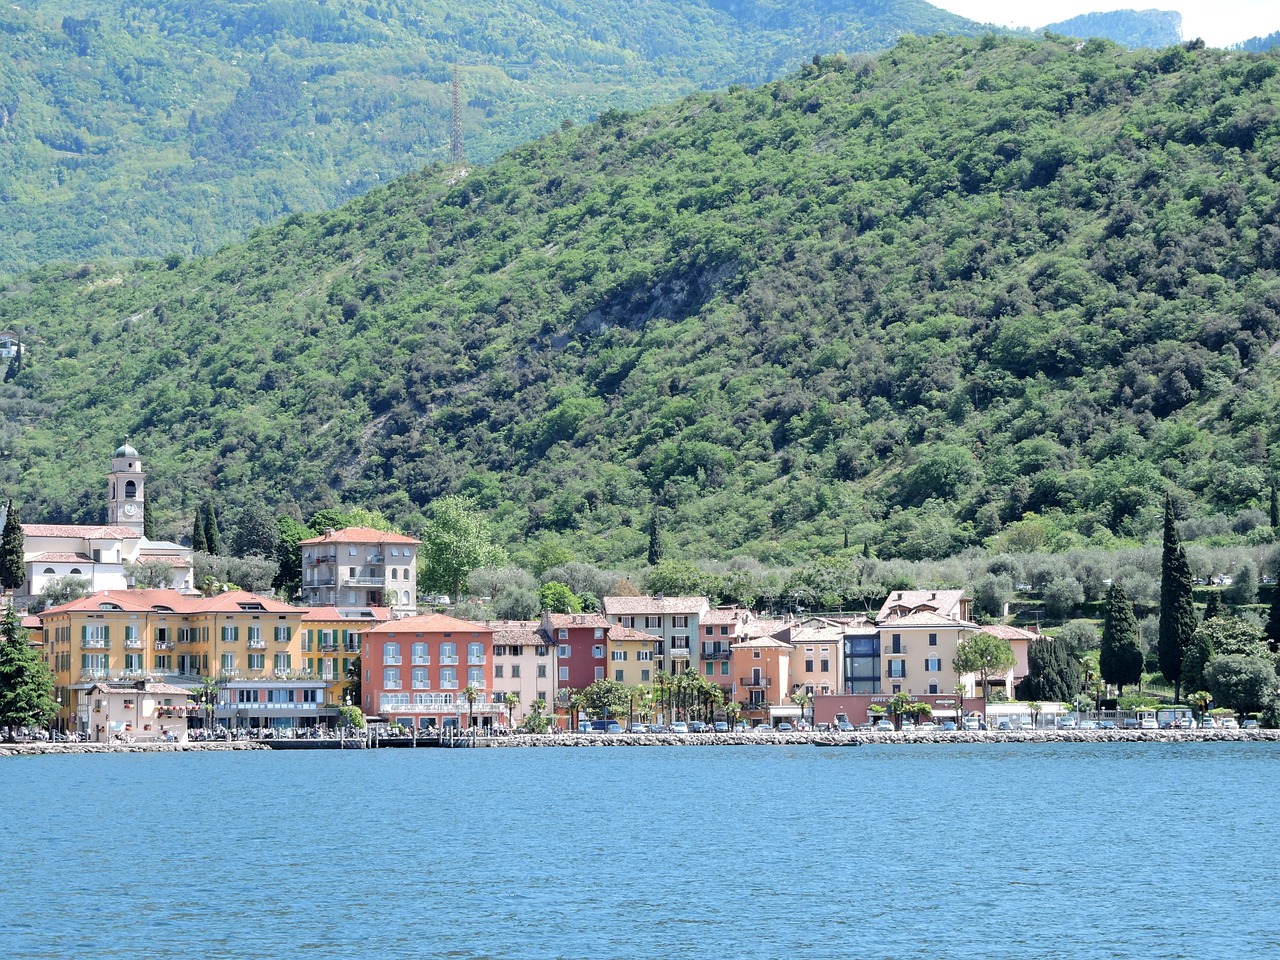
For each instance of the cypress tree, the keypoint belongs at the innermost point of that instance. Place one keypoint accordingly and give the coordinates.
(1272, 629)
(198, 542)
(13, 572)
(1177, 609)
(148, 523)
(1052, 672)
(1275, 505)
(1212, 606)
(655, 539)
(212, 538)
(1120, 658)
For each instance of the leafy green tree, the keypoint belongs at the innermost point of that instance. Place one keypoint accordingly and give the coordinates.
(516, 603)
(1243, 684)
(289, 533)
(675, 578)
(1243, 589)
(558, 598)
(1199, 702)
(801, 698)
(149, 574)
(62, 590)
(985, 656)
(457, 540)
(1177, 609)
(1120, 657)
(1199, 653)
(1213, 606)
(511, 700)
(353, 689)
(537, 721)
(26, 686)
(1052, 672)
(606, 699)
(12, 570)
(256, 532)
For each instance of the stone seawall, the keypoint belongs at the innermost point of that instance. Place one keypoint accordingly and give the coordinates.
(46, 749)
(866, 738)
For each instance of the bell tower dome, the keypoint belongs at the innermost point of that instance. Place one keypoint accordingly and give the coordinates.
(126, 501)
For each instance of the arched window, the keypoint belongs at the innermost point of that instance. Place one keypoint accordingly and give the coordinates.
(75, 571)
(130, 490)
(394, 574)
(49, 570)
(406, 596)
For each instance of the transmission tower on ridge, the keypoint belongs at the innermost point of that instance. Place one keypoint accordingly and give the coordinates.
(455, 120)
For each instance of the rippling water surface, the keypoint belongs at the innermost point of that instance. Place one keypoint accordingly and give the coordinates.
(1074, 850)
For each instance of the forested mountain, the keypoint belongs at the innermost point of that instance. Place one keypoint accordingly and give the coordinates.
(1132, 28)
(972, 288)
(1262, 44)
(140, 127)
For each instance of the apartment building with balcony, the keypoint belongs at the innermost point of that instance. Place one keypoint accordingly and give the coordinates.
(415, 671)
(761, 671)
(361, 567)
(632, 656)
(718, 631)
(582, 643)
(674, 621)
(817, 657)
(246, 644)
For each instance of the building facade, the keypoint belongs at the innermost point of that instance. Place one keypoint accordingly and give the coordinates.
(361, 567)
(524, 664)
(674, 621)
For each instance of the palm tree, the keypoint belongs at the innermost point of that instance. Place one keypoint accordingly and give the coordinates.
(1200, 701)
(732, 710)
(207, 694)
(512, 700)
(472, 693)
(662, 687)
(800, 697)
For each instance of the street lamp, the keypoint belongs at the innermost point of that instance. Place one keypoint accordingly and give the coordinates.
(222, 706)
(56, 718)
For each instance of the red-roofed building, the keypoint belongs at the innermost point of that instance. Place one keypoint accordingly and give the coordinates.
(361, 567)
(415, 671)
(582, 643)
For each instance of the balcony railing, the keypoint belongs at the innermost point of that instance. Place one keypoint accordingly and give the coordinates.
(366, 581)
(164, 644)
(449, 685)
(899, 673)
(765, 682)
(449, 661)
(715, 654)
(474, 661)
(332, 647)
(393, 685)
(257, 644)
(678, 653)
(422, 661)
(391, 661)
(94, 643)
(133, 644)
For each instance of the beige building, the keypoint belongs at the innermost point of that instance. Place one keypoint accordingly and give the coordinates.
(142, 710)
(524, 663)
(817, 656)
(361, 567)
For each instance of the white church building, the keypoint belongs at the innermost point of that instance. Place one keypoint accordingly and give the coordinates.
(98, 554)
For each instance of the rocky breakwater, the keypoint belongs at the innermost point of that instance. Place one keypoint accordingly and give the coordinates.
(56, 749)
(860, 738)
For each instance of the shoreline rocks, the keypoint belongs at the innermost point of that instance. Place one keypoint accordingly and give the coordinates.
(41, 748)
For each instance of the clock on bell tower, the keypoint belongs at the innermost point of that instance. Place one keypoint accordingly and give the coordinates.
(126, 502)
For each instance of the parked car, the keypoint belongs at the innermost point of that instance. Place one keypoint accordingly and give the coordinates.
(763, 728)
(1088, 725)
(584, 726)
(720, 726)
(697, 726)
(1025, 723)
(1148, 723)
(1229, 723)
(1004, 725)
(1249, 725)
(679, 727)
(883, 726)
(972, 723)
(927, 727)
(1130, 723)
(785, 727)
(1106, 724)
(948, 726)
(1066, 723)
(638, 728)
(1208, 723)
(844, 726)
(614, 727)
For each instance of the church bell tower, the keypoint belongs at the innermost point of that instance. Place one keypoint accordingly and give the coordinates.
(127, 501)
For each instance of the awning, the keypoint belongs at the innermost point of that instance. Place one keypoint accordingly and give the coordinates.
(781, 711)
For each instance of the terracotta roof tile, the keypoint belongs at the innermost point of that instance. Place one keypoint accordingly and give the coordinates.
(77, 531)
(360, 535)
(430, 623)
(653, 606)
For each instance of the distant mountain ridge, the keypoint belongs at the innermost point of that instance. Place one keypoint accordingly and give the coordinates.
(973, 288)
(1130, 28)
(130, 127)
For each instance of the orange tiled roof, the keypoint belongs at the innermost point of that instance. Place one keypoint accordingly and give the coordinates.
(1007, 632)
(61, 558)
(142, 601)
(628, 635)
(652, 606)
(360, 535)
(326, 614)
(558, 620)
(430, 623)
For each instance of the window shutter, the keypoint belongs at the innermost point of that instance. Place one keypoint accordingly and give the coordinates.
(106, 633)
(84, 632)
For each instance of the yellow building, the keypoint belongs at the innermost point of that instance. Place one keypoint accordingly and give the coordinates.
(632, 656)
(247, 645)
(330, 642)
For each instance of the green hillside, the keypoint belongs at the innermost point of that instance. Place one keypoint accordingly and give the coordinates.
(973, 288)
(1132, 28)
(135, 127)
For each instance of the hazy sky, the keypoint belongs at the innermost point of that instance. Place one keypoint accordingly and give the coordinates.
(1218, 22)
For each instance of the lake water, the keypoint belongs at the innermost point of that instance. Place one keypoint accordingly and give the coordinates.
(1074, 850)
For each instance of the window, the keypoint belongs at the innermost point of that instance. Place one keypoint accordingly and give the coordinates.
(599, 634)
(933, 688)
(724, 668)
(897, 668)
(709, 668)
(644, 676)
(351, 551)
(933, 639)
(257, 661)
(562, 633)
(562, 651)
(421, 678)
(283, 661)
(497, 671)
(825, 665)
(542, 672)
(597, 651)
(808, 665)
(515, 671)
(599, 673)
(644, 655)
(650, 622)
(449, 678)
(710, 631)
(618, 675)
(499, 650)
(679, 621)
(475, 653)
(395, 551)
(724, 631)
(933, 664)
(896, 642)
(282, 634)
(627, 621)
(420, 655)
(132, 661)
(618, 656)
(230, 634)
(228, 662)
(449, 653)
(255, 634)
(391, 654)
(564, 674)
(540, 650)
(475, 677)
